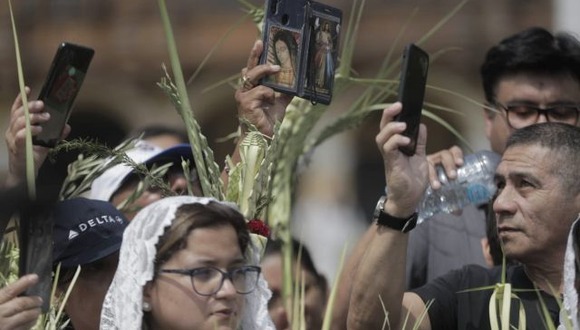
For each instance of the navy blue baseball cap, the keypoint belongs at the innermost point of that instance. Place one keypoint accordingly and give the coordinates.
(86, 230)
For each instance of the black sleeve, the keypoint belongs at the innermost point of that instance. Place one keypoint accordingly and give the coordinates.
(440, 298)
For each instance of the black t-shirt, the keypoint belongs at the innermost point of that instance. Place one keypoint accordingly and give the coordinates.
(453, 309)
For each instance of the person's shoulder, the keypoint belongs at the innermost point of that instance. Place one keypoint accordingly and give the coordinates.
(514, 272)
(478, 273)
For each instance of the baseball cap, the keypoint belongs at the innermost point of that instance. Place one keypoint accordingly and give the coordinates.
(85, 230)
(103, 187)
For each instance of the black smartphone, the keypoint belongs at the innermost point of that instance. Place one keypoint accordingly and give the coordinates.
(412, 84)
(62, 84)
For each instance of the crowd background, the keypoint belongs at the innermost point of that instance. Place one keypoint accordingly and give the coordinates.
(338, 191)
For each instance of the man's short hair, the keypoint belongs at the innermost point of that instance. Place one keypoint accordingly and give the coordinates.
(534, 50)
(564, 142)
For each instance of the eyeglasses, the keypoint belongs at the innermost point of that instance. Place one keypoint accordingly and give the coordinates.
(522, 114)
(206, 281)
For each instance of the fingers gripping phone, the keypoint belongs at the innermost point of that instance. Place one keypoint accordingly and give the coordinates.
(411, 93)
(64, 80)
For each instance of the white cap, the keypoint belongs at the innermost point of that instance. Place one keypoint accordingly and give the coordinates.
(103, 187)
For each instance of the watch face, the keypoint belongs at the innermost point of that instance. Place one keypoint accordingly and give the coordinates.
(379, 207)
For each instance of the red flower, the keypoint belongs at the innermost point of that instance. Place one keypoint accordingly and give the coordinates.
(258, 227)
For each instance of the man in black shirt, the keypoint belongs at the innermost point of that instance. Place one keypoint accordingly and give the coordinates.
(459, 306)
(538, 199)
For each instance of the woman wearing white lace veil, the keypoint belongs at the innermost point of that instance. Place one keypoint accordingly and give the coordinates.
(187, 263)
(569, 314)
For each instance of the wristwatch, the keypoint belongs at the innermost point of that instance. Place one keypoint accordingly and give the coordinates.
(384, 219)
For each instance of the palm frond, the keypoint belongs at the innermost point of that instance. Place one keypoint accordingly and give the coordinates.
(30, 173)
(208, 170)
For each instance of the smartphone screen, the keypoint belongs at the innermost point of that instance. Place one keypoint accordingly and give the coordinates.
(411, 92)
(64, 80)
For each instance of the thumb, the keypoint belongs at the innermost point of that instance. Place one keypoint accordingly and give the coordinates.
(422, 141)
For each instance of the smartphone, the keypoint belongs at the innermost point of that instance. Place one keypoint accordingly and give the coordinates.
(412, 84)
(62, 84)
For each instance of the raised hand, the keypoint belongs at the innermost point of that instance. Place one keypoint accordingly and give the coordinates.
(260, 105)
(450, 159)
(15, 137)
(407, 177)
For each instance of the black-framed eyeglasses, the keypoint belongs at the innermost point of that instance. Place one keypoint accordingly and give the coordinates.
(520, 115)
(206, 281)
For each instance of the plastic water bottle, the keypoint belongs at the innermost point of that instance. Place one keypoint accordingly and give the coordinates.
(474, 185)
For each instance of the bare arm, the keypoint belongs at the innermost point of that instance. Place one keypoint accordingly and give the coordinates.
(259, 105)
(345, 281)
(380, 276)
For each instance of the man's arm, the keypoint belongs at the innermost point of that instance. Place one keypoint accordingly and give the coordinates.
(379, 280)
(416, 274)
(345, 281)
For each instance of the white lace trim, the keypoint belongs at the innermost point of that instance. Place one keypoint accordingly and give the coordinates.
(570, 306)
(123, 305)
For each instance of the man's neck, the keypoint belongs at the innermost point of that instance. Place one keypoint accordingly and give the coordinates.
(547, 278)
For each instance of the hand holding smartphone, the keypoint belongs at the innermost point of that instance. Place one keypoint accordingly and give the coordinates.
(412, 92)
(64, 80)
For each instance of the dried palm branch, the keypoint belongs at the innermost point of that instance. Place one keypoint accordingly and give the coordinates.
(30, 173)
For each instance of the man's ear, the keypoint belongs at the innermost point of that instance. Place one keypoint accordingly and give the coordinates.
(489, 118)
(486, 252)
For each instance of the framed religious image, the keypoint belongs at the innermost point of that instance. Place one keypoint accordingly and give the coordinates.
(323, 38)
(283, 49)
(301, 36)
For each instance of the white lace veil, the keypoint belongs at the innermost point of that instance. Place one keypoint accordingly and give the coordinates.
(123, 305)
(570, 306)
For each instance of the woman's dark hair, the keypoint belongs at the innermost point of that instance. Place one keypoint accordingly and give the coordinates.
(192, 216)
(286, 37)
(534, 50)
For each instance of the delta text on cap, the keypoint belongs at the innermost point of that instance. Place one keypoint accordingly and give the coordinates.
(85, 231)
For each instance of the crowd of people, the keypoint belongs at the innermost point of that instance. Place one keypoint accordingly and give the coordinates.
(188, 261)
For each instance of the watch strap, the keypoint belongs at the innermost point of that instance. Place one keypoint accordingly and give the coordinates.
(401, 224)
(384, 219)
